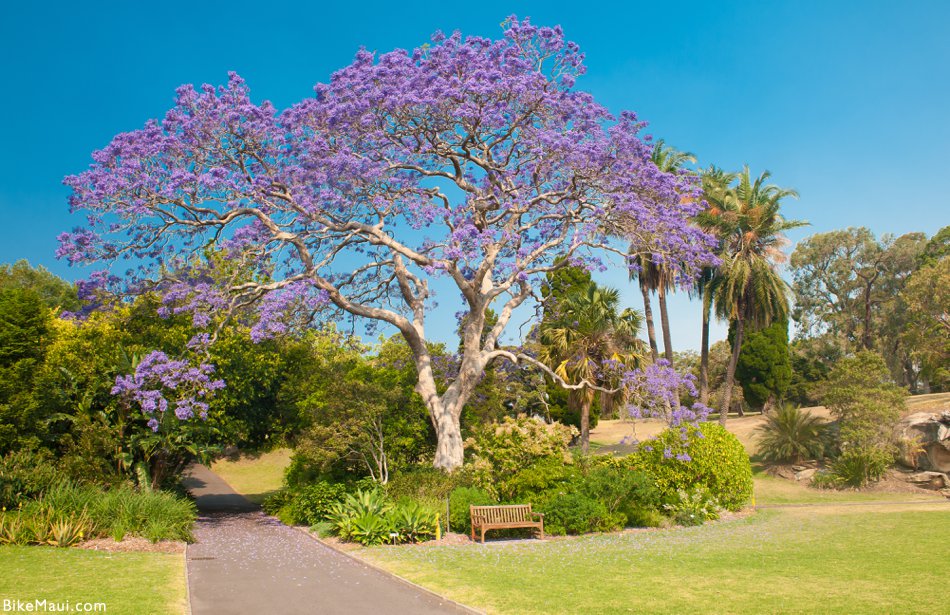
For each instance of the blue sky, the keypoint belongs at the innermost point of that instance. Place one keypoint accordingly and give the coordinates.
(845, 101)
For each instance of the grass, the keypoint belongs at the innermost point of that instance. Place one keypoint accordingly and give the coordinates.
(254, 475)
(770, 490)
(858, 559)
(128, 583)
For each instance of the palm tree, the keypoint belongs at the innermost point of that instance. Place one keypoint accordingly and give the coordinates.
(653, 276)
(585, 337)
(716, 186)
(748, 289)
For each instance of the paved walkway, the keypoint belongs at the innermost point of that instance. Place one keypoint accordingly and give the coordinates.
(246, 563)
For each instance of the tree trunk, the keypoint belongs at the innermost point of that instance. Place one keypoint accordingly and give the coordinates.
(866, 337)
(731, 373)
(449, 453)
(665, 324)
(586, 402)
(704, 359)
(648, 317)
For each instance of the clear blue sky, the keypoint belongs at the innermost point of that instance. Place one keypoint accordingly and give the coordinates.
(848, 102)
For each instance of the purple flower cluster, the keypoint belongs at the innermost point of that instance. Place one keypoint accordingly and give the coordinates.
(160, 384)
(655, 392)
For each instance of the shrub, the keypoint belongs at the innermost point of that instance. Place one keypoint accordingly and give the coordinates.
(25, 475)
(531, 482)
(423, 484)
(577, 513)
(856, 468)
(645, 517)
(412, 522)
(708, 457)
(792, 434)
(693, 507)
(499, 450)
(620, 489)
(313, 503)
(459, 501)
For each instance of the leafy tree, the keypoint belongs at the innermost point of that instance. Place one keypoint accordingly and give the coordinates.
(927, 296)
(812, 359)
(589, 334)
(867, 404)
(55, 292)
(484, 143)
(25, 330)
(764, 370)
(748, 289)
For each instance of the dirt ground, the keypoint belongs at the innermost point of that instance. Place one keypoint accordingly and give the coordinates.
(611, 433)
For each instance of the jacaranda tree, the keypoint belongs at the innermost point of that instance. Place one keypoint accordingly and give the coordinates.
(469, 160)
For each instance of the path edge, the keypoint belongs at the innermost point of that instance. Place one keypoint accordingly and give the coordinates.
(387, 573)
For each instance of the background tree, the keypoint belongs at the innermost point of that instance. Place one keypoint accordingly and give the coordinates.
(749, 290)
(764, 370)
(588, 343)
(927, 296)
(716, 185)
(485, 143)
(56, 293)
(847, 286)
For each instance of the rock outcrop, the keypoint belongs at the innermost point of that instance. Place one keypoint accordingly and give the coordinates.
(926, 441)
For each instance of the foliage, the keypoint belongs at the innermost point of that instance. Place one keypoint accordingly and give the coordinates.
(847, 287)
(858, 467)
(543, 475)
(927, 334)
(66, 509)
(708, 456)
(693, 507)
(459, 501)
(578, 513)
(589, 341)
(764, 369)
(342, 181)
(499, 450)
(54, 292)
(812, 359)
(620, 489)
(370, 518)
(313, 503)
(868, 406)
(791, 434)
(424, 484)
(366, 418)
(25, 476)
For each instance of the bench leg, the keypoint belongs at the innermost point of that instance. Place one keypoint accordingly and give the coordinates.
(483, 535)
(541, 530)
(473, 533)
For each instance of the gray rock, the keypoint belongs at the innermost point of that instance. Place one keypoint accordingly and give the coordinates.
(932, 432)
(930, 480)
(806, 474)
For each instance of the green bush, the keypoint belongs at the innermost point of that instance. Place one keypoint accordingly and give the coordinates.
(708, 457)
(370, 518)
(459, 501)
(856, 468)
(645, 517)
(620, 489)
(499, 450)
(313, 503)
(693, 507)
(791, 434)
(529, 484)
(25, 475)
(577, 513)
(423, 484)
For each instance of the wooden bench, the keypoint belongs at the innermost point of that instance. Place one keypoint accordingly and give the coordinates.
(504, 517)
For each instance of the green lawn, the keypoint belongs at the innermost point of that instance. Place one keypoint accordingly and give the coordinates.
(770, 490)
(128, 583)
(820, 560)
(254, 476)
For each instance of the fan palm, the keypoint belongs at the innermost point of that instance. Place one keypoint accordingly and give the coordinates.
(584, 344)
(748, 289)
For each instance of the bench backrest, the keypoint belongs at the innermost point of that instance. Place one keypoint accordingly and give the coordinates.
(509, 513)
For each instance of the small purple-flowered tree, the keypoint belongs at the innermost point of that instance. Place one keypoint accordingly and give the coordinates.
(470, 159)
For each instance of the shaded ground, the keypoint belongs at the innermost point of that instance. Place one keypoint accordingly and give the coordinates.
(245, 562)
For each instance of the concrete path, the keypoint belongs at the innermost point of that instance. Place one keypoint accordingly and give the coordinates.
(246, 563)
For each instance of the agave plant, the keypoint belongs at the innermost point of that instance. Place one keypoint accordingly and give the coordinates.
(793, 434)
(371, 529)
(413, 522)
(66, 532)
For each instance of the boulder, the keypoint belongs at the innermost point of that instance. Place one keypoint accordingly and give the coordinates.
(930, 480)
(805, 474)
(931, 432)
